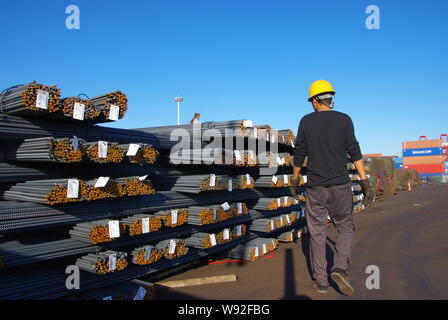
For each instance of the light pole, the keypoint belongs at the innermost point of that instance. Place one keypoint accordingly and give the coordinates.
(178, 100)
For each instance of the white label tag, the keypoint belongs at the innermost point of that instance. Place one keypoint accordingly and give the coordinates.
(133, 149)
(212, 180)
(145, 225)
(172, 247)
(226, 234)
(230, 185)
(114, 112)
(212, 239)
(141, 293)
(265, 250)
(274, 179)
(42, 99)
(225, 206)
(101, 182)
(148, 253)
(279, 202)
(299, 234)
(78, 111)
(112, 262)
(285, 179)
(251, 156)
(248, 124)
(281, 220)
(285, 201)
(256, 251)
(238, 231)
(114, 229)
(248, 181)
(75, 143)
(238, 155)
(272, 138)
(272, 225)
(174, 216)
(102, 149)
(255, 133)
(240, 207)
(288, 220)
(292, 144)
(73, 188)
(267, 136)
(278, 160)
(305, 179)
(215, 213)
(142, 178)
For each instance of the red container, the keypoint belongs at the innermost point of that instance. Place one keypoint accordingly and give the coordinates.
(423, 160)
(427, 168)
(373, 155)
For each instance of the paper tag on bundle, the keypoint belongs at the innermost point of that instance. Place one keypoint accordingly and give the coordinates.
(172, 247)
(285, 201)
(238, 231)
(215, 213)
(272, 225)
(264, 248)
(107, 298)
(285, 179)
(148, 253)
(248, 124)
(273, 243)
(75, 143)
(288, 220)
(102, 149)
(101, 182)
(174, 214)
(142, 178)
(73, 188)
(256, 252)
(279, 161)
(274, 179)
(292, 144)
(238, 155)
(255, 133)
(145, 225)
(299, 234)
(272, 138)
(240, 207)
(112, 262)
(230, 185)
(225, 206)
(133, 149)
(305, 179)
(281, 220)
(267, 136)
(251, 156)
(279, 202)
(141, 293)
(114, 229)
(248, 181)
(78, 111)
(42, 99)
(212, 180)
(114, 112)
(212, 239)
(226, 234)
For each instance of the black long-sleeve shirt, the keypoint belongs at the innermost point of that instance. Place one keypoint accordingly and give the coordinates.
(327, 138)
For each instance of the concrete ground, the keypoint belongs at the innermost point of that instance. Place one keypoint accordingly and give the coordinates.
(406, 236)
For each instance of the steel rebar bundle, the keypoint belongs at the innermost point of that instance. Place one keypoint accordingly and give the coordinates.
(47, 149)
(239, 208)
(239, 231)
(286, 236)
(100, 231)
(265, 245)
(146, 255)
(266, 204)
(224, 236)
(244, 251)
(135, 186)
(274, 181)
(202, 240)
(50, 192)
(141, 224)
(262, 225)
(112, 106)
(13, 173)
(78, 108)
(104, 152)
(172, 248)
(103, 263)
(145, 153)
(30, 99)
(202, 215)
(174, 217)
(286, 137)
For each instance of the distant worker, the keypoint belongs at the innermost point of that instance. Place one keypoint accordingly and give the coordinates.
(327, 138)
(195, 118)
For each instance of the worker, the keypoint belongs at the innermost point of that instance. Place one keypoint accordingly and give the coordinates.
(327, 138)
(195, 118)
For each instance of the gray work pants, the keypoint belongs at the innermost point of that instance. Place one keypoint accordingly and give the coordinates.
(336, 202)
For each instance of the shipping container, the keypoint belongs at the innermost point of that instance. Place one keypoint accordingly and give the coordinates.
(421, 144)
(423, 152)
(427, 168)
(438, 179)
(423, 160)
(373, 155)
(426, 175)
(398, 166)
(446, 166)
(398, 160)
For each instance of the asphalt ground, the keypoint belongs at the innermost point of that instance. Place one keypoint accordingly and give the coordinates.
(405, 236)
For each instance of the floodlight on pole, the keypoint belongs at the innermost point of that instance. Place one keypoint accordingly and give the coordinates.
(178, 100)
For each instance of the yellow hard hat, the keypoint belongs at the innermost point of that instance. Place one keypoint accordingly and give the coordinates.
(319, 87)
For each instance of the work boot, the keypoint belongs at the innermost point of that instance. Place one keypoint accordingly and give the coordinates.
(319, 288)
(341, 278)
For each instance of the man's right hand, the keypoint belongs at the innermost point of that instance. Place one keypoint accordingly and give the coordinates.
(369, 195)
(294, 188)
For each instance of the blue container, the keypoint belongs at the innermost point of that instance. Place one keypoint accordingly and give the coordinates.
(446, 166)
(426, 175)
(398, 166)
(422, 152)
(398, 160)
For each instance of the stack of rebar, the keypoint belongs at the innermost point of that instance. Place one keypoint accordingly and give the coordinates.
(140, 153)
(286, 236)
(262, 225)
(174, 217)
(112, 106)
(172, 248)
(244, 251)
(141, 224)
(47, 149)
(78, 108)
(103, 262)
(239, 208)
(202, 215)
(135, 186)
(30, 99)
(104, 152)
(202, 240)
(274, 181)
(266, 204)
(239, 231)
(105, 189)
(100, 231)
(224, 236)
(146, 255)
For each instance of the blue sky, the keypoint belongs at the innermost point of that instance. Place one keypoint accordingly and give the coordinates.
(241, 60)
